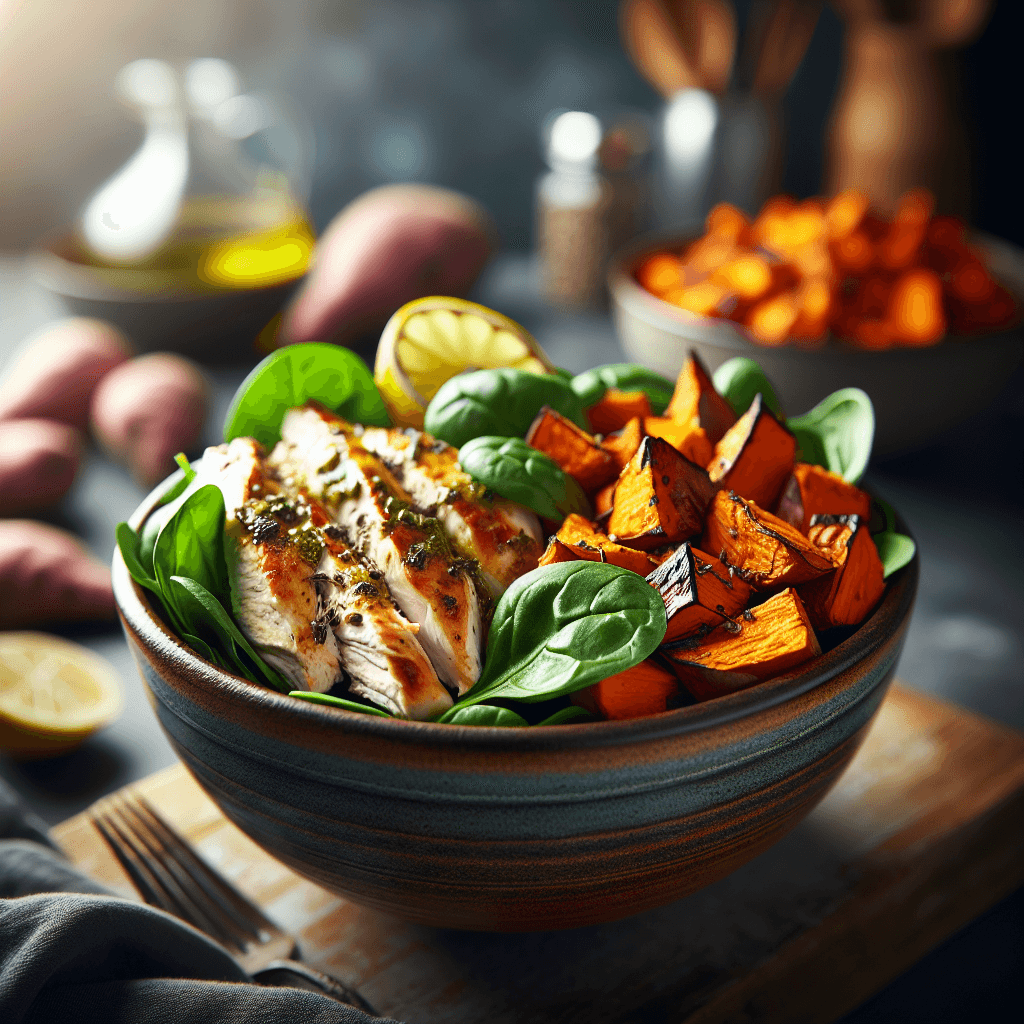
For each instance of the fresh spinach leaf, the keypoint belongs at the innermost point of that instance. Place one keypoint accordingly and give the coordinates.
(129, 544)
(738, 380)
(511, 468)
(202, 648)
(329, 374)
(894, 549)
(191, 544)
(337, 702)
(203, 609)
(485, 714)
(169, 503)
(565, 626)
(592, 384)
(501, 402)
(569, 714)
(837, 433)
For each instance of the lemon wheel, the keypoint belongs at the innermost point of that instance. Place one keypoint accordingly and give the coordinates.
(432, 339)
(53, 693)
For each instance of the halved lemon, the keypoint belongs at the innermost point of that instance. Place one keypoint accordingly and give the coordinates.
(53, 693)
(431, 339)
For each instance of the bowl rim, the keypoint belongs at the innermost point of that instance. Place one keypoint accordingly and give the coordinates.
(891, 614)
(721, 332)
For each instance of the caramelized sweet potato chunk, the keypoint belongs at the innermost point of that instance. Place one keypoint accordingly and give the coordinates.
(661, 498)
(689, 438)
(644, 689)
(604, 499)
(623, 445)
(755, 457)
(846, 596)
(698, 595)
(556, 551)
(762, 549)
(695, 397)
(813, 490)
(576, 451)
(616, 408)
(765, 641)
(581, 537)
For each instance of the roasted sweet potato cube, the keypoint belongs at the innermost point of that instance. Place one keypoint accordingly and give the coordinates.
(764, 641)
(616, 408)
(604, 499)
(644, 689)
(698, 594)
(813, 490)
(763, 550)
(689, 438)
(661, 498)
(755, 457)
(576, 451)
(695, 397)
(582, 538)
(623, 445)
(845, 596)
(556, 551)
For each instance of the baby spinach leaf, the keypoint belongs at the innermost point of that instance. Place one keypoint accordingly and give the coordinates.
(894, 549)
(202, 648)
(483, 714)
(191, 544)
(569, 714)
(329, 374)
(565, 626)
(169, 503)
(203, 609)
(499, 402)
(128, 542)
(837, 433)
(511, 468)
(337, 702)
(592, 384)
(738, 380)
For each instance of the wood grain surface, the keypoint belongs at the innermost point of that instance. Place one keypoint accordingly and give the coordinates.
(920, 835)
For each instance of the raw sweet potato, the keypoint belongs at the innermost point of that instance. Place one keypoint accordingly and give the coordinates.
(616, 408)
(623, 445)
(846, 596)
(644, 689)
(38, 462)
(581, 537)
(695, 396)
(765, 641)
(762, 549)
(576, 451)
(698, 597)
(755, 457)
(689, 438)
(813, 490)
(661, 498)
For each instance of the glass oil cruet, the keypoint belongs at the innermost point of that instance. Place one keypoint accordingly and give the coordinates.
(213, 198)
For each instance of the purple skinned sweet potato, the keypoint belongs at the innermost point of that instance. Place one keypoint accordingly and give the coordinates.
(391, 245)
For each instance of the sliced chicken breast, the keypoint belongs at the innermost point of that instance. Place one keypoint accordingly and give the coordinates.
(430, 584)
(272, 550)
(504, 538)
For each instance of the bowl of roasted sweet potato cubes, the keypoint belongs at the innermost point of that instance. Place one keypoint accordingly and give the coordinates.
(829, 293)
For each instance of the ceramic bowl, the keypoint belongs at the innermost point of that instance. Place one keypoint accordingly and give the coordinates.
(213, 327)
(917, 392)
(517, 829)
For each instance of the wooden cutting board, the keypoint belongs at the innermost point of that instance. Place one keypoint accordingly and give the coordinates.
(920, 836)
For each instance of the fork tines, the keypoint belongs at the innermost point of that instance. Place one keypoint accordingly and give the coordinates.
(169, 875)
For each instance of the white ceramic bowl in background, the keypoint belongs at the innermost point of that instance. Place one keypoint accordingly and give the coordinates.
(917, 392)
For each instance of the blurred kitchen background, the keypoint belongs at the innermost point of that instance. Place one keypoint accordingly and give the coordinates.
(431, 90)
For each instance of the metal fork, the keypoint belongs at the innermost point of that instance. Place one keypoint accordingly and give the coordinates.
(169, 874)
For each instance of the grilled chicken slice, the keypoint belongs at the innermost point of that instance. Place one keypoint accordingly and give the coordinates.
(504, 538)
(271, 553)
(433, 587)
(378, 645)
